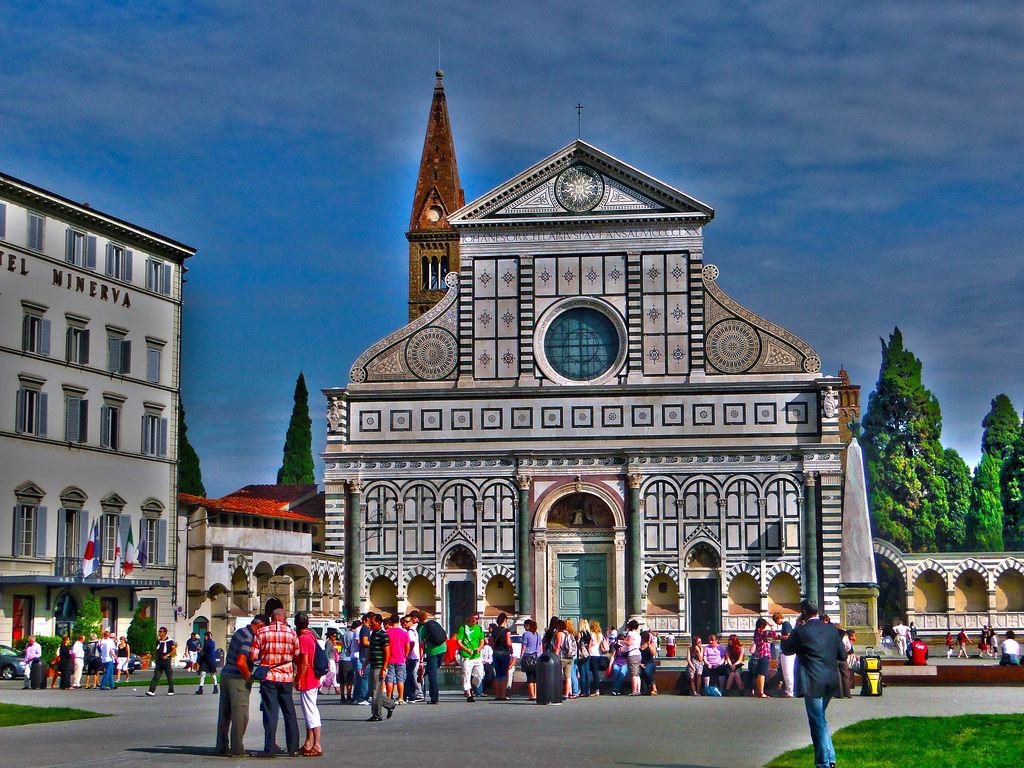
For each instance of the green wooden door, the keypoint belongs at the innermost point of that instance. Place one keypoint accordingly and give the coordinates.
(583, 587)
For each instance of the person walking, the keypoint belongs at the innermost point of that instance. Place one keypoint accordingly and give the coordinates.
(78, 654)
(33, 657)
(469, 639)
(819, 649)
(308, 684)
(376, 669)
(360, 653)
(531, 651)
(435, 642)
(206, 662)
(108, 657)
(124, 653)
(504, 663)
(163, 662)
(786, 661)
(277, 646)
(192, 648)
(236, 683)
(330, 680)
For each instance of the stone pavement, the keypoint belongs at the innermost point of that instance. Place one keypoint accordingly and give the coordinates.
(648, 732)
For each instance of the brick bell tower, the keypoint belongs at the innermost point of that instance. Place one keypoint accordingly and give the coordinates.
(433, 244)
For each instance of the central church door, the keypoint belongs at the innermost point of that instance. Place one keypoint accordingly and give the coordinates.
(583, 587)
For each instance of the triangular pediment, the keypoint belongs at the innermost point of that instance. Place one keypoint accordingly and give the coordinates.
(581, 181)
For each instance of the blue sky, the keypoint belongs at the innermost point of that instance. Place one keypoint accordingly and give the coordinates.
(865, 162)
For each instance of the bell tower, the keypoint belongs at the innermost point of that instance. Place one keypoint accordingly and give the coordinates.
(433, 244)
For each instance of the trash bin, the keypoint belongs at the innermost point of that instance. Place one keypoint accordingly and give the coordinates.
(37, 674)
(871, 675)
(549, 679)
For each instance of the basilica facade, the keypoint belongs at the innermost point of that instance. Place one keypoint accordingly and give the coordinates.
(584, 424)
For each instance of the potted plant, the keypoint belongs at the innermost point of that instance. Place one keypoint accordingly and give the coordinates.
(142, 636)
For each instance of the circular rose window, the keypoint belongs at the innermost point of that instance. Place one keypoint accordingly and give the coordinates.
(581, 341)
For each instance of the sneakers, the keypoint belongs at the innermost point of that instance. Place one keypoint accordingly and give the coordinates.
(170, 693)
(363, 703)
(150, 693)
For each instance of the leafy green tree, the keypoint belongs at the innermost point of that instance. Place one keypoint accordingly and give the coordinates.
(900, 438)
(985, 523)
(954, 479)
(89, 618)
(190, 475)
(1002, 427)
(141, 634)
(298, 442)
(1011, 488)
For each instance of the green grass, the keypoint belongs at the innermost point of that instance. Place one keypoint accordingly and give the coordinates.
(967, 741)
(17, 714)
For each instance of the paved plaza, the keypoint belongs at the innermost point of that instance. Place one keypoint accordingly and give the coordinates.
(664, 732)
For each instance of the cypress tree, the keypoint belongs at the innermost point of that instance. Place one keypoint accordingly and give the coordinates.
(954, 479)
(190, 475)
(985, 524)
(900, 438)
(1011, 485)
(1002, 427)
(298, 442)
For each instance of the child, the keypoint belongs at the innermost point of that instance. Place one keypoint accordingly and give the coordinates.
(949, 645)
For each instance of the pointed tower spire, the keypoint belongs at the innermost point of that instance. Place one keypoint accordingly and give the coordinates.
(433, 244)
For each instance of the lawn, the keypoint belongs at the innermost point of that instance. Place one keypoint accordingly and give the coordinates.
(16, 714)
(967, 741)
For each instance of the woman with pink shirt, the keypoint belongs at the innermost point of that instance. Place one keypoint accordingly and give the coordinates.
(761, 656)
(308, 684)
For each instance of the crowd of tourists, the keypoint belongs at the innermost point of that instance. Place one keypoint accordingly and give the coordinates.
(96, 662)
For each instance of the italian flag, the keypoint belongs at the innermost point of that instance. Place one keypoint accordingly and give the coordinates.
(129, 553)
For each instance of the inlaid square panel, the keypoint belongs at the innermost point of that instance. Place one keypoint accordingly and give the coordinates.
(703, 414)
(765, 413)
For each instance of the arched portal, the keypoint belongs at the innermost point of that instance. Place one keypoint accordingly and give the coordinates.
(892, 590)
(579, 552)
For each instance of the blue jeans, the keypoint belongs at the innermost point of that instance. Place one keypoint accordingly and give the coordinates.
(574, 681)
(583, 666)
(360, 685)
(619, 672)
(277, 699)
(823, 751)
(108, 676)
(430, 682)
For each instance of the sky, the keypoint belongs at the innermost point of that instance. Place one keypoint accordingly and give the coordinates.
(865, 162)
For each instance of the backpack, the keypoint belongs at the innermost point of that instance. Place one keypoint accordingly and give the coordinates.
(568, 649)
(320, 665)
(435, 633)
(584, 649)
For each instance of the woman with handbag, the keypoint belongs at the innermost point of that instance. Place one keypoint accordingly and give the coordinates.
(761, 653)
(528, 662)
(598, 660)
(583, 658)
(648, 652)
(570, 650)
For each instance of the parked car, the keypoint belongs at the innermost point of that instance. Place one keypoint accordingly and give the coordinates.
(134, 663)
(10, 663)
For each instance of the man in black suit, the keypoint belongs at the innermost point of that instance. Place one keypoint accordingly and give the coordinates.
(819, 648)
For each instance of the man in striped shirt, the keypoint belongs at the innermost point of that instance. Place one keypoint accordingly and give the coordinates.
(277, 646)
(377, 661)
(233, 713)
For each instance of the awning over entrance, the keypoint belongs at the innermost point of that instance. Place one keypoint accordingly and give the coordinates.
(73, 581)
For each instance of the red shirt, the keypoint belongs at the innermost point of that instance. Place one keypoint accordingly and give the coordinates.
(275, 644)
(918, 653)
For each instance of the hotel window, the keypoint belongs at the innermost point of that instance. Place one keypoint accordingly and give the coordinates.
(119, 352)
(109, 534)
(119, 263)
(156, 535)
(29, 531)
(153, 354)
(77, 341)
(76, 417)
(158, 276)
(110, 425)
(80, 249)
(36, 228)
(35, 330)
(72, 535)
(154, 435)
(30, 417)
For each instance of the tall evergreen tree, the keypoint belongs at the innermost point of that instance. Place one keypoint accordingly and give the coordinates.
(298, 442)
(1011, 486)
(1002, 427)
(900, 438)
(954, 478)
(985, 523)
(190, 475)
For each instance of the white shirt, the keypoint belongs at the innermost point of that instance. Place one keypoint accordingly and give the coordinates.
(486, 654)
(634, 642)
(1011, 647)
(414, 647)
(108, 650)
(77, 650)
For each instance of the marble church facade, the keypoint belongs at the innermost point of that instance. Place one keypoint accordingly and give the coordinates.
(586, 424)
